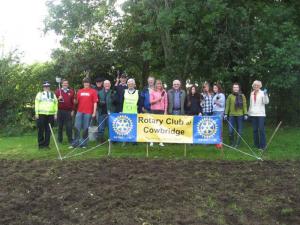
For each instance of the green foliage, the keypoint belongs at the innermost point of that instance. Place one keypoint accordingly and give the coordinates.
(213, 40)
(19, 85)
(83, 26)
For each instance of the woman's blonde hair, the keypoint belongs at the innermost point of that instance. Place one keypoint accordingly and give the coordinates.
(258, 83)
(155, 86)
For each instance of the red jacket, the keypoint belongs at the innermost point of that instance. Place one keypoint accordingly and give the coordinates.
(68, 103)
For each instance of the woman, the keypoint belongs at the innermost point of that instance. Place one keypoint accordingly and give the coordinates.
(218, 101)
(257, 113)
(206, 103)
(158, 101)
(193, 102)
(236, 111)
(218, 104)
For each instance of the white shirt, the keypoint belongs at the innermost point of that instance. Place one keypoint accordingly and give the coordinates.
(257, 108)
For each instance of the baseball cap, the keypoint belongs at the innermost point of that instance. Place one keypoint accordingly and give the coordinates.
(99, 79)
(124, 75)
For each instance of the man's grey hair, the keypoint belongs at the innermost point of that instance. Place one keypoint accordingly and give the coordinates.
(131, 80)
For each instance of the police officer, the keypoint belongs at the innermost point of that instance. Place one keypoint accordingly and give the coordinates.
(45, 112)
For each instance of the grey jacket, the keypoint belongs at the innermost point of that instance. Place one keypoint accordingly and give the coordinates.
(171, 101)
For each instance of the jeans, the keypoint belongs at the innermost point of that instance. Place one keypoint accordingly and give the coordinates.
(103, 123)
(259, 135)
(82, 123)
(221, 115)
(237, 122)
(207, 113)
(64, 118)
(218, 113)
(44, 129)
(176, 112)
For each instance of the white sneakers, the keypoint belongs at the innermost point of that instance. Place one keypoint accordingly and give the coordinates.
(160, 144)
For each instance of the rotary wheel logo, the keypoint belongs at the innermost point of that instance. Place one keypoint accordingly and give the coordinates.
(122, 125)
(207, 127)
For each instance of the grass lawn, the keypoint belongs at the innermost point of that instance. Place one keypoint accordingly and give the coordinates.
(285, 146)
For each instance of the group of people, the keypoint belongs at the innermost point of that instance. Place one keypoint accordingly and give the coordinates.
(97, 102)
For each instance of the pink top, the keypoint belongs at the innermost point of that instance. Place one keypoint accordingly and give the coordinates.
(159, 105)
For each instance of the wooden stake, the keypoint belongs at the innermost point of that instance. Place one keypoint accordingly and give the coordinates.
(277, 128)
(109, 147)
(147, 148)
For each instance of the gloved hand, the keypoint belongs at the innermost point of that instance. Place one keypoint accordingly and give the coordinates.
(265, 91)
(225, 117)
(245, 117)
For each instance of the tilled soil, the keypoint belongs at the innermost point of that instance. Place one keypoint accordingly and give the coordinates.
(138, 191)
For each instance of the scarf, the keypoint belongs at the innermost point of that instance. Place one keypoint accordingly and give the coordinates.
(238, 100)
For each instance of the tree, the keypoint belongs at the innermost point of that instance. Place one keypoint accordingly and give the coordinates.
(214, 40)
(19, 86)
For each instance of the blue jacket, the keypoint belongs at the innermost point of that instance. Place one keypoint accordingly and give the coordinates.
(145, 98)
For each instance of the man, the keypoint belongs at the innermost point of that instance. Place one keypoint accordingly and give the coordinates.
(99, 84)
(45, 113)
(105, 107)
(131, 99)
(65, 97)
(145, 95)
(176, 99)
(120, 86)
(87, 99)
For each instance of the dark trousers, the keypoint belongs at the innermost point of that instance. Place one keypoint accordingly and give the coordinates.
(161, 112)
(103, 123)
(259, 134)
(64, 118)
(44, 129)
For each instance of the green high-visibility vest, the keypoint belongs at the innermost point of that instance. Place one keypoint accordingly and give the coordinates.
(130, 102)
(46, 103)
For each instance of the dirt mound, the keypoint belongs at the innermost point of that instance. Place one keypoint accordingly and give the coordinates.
(135, 191)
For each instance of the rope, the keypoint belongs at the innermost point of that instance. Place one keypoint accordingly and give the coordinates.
(87, 136)
(80, 153)
(245, 153)
(241, 137)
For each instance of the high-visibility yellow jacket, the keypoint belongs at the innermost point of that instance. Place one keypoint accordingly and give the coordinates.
(46, 103)
(130, 102)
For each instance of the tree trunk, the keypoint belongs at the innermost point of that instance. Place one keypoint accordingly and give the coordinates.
(166, 39)
(145, 72)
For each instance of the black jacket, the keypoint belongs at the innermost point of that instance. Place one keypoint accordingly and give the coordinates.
(193, 104)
